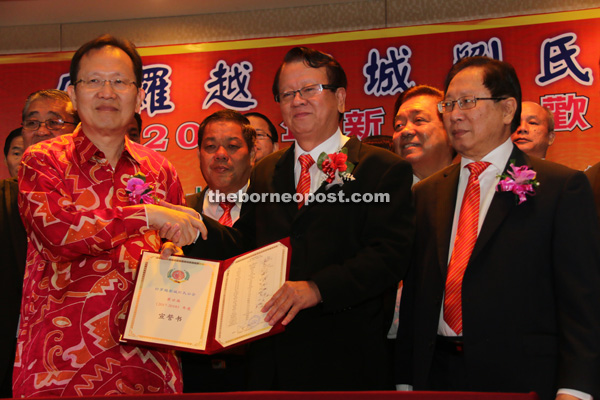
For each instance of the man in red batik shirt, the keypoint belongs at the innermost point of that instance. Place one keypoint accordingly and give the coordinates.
(86, 236)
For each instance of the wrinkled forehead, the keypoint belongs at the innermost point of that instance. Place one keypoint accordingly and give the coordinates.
(418, 103)
(43, 107)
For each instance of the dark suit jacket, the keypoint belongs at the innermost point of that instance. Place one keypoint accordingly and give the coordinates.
(355, 253)
(196, 200)
(594, 176)
(531, 290)
(13, 244)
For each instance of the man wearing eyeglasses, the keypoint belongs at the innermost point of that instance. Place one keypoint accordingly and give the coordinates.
(502, 294)
(347, 255)
(47, 114)
(86, 236)
(266, 135)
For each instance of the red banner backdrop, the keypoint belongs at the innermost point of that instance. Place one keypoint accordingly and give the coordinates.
(556, 57)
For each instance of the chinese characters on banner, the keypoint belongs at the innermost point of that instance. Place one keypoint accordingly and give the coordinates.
(556, 60)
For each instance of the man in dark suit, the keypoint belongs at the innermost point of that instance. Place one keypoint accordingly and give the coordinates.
(348, 252)
(527, 312)
(226, 152)
(593, 174)
(13, 242)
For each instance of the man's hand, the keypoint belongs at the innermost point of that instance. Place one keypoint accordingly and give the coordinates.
(289, 300)
(188, 210)
(169, 249)
(176, 223)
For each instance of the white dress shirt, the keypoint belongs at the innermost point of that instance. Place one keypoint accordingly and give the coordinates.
(214, 210)
(488, 180)
(332, 145)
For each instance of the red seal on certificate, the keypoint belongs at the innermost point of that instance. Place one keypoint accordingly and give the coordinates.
(178, 275)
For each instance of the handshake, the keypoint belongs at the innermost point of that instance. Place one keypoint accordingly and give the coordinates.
(179, 224)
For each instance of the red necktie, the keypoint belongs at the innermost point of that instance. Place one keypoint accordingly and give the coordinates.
(466, 236)
(226, 217)
(304, 182)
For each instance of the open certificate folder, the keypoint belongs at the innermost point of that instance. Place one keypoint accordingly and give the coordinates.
(206, 306)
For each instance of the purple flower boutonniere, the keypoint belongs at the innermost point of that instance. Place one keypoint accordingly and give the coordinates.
(519, 180)
(139, 191)
(336, 167)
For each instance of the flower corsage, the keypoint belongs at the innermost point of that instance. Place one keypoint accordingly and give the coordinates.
(519, 180)
(139, 191)
(336, 167)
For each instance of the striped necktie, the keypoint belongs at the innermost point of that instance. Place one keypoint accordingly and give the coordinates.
(466, 236)
(306, 161)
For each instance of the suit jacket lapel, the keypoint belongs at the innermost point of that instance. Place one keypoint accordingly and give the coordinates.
(283, 178)
(502, 204)
(446, 203)
(353, 145)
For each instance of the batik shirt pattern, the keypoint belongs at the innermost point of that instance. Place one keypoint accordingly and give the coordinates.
(84, 247)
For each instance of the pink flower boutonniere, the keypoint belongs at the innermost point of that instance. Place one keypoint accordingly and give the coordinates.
(519, 180)
(139, 191)
(336, 167)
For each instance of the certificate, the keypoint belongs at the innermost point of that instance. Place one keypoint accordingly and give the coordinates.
(206, 306)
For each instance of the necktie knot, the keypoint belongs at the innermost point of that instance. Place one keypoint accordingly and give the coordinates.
(476, 168)
(306, 161)
(226, 217)
(226, 205)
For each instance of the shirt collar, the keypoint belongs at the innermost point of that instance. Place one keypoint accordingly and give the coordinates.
(87, 150)
(332, 145)
(239, 195)
(497, 157)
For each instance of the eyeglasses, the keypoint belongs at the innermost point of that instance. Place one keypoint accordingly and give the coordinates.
(118, 85)
(307, 92)
(263, 136)
(50, 124)
(464, 103)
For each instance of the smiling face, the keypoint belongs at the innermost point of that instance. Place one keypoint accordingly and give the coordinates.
(314, 120)
(419, 135)
(533, 136)
(477, 131)
(225, 159)
(44, 109)
(105, 111)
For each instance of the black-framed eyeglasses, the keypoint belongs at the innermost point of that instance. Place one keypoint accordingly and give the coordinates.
(263, 136)
(306, 92)
(119, 85)
(50, 124)
(464, 103)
